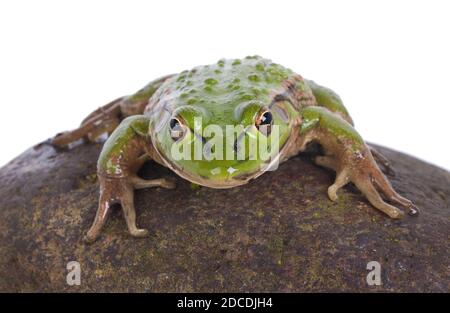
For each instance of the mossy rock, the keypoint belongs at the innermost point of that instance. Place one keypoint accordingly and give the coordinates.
(278, 233)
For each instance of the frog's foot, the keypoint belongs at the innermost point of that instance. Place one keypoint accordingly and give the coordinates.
(367, 177)
(103, 120)
(121, 190)
(341, 177)
(139, 183)
(100, 218)
(382, 160)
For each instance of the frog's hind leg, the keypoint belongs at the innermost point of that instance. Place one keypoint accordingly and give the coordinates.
(106, 118)
(102, 120)
(102, 111)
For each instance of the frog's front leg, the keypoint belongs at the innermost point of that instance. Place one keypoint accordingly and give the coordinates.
(330, 100)
(351, 158)
(120, 159)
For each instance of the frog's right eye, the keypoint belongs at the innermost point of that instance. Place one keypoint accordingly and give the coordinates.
(264, 122)
(177, 130)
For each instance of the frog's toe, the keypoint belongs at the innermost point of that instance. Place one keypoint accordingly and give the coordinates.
(140, 183)
(365, 176)
(341, 180)
(89, 239)
(332, 193)
(341, 177)
(386, 188)
(139, 233)
(367, 188)
(398, 214)
(414, 211)
(168, 182)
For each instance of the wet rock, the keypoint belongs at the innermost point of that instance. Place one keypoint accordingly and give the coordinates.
(277, 233)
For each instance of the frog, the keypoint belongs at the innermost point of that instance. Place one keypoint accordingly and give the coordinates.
(259, 99)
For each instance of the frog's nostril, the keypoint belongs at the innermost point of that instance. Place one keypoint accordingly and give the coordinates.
(238, 141)
(235, 146)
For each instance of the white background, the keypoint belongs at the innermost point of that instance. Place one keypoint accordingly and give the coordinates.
(389, 60)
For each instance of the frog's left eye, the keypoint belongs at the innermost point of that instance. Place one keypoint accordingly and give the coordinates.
(264, 122)
(177, 129)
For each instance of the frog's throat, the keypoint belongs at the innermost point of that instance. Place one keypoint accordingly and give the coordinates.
(289, 148)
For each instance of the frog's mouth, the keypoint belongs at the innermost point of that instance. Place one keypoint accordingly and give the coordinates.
(232, 180)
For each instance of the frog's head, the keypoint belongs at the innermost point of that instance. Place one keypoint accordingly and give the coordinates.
(221, 125)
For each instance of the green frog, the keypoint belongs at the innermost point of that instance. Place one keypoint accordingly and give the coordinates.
(222, 125)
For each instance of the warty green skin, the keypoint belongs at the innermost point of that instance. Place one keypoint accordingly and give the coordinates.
(230, 92)
(233, 93)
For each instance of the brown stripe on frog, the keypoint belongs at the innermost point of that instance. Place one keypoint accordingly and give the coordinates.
(158, 102)
(296, 91)
(300, 90)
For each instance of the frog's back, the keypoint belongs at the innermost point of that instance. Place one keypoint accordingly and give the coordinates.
(221, 87)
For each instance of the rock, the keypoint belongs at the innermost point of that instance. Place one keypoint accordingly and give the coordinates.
(278, 233)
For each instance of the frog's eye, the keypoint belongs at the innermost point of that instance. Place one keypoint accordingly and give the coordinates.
(177, 130)
(264, 122)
